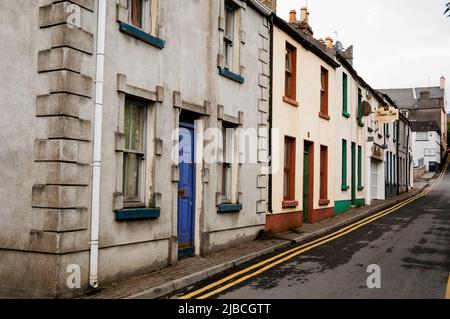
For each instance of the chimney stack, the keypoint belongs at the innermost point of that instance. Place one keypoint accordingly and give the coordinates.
(442, 83)
(425, 95)
(329, 42)
(304, 16)
(292, 16)
(302, 24)
(348, 54)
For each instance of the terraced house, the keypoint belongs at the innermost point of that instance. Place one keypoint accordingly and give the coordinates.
(117, 103)
(303, 122)
(147, 131)
(359, 138)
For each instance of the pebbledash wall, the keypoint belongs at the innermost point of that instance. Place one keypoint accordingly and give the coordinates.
(47, 145)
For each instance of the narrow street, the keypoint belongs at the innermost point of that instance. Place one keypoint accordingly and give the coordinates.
(411, 245)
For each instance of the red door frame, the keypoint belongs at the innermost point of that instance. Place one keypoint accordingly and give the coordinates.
(309, 147)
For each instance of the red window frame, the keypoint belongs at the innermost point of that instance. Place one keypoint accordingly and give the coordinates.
(324, 85)
(324, 176)
(290, 75)
(289, 172)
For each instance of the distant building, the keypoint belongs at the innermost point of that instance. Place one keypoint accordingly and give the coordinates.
(424, 104)
(426, 144)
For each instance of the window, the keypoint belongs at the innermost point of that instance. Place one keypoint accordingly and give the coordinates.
(227, 163)
(290, 86)
(134, 153)
(137, 13)
(142, 13)
(229, 36)
(360, 116)
(289, 169)
(324, 175)
(324, 92)
(421, 136)
(345, 95)
(394, 169)
(360, 186)
(344, 165)
(395, 125)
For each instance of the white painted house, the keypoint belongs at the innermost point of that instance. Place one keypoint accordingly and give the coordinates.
(426, 144)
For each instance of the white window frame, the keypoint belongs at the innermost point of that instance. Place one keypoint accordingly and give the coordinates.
(422, 136)
(149, 16)
(231, 43)
(229, 164)
(141, 191)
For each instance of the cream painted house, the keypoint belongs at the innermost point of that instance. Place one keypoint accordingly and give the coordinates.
(303, 122)
(359, 140)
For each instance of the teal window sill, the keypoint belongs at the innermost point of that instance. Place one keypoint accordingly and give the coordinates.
(346, 114)
(232, 76)
(229, 208)
(138, 214)
(345, 187)
(141, 35)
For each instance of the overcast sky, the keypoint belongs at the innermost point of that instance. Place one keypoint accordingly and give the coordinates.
(397, 43)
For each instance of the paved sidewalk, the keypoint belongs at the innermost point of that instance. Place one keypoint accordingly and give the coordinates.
(189, 271)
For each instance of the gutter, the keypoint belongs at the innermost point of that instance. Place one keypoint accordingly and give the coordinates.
(97, 154)
(398, 157)
(270, 206)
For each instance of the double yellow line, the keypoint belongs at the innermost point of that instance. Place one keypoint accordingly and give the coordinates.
(230, 281)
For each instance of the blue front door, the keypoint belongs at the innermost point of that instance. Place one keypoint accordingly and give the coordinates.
(186, 194)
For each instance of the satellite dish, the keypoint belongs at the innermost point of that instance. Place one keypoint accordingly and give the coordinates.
(339, 46)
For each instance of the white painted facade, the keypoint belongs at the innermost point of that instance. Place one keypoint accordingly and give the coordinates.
(301, 122)
(426, 149)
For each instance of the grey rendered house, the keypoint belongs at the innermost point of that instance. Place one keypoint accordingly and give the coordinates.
(166, 186)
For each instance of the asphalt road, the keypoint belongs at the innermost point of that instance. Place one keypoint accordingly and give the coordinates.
(411, 246)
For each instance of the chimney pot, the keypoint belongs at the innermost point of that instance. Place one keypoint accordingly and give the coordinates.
(442, 83)
(292, 16)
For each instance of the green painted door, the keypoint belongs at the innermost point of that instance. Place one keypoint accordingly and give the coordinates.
(353, 186)
(305, 185)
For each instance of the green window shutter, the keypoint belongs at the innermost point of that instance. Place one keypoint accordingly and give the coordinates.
(360, 116)
(345, 94)
(360, 186)
(359, 105)
(344, 165)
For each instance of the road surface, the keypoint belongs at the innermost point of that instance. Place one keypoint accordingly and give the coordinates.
(411, 246)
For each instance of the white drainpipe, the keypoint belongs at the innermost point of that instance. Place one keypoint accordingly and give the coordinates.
(97, 155)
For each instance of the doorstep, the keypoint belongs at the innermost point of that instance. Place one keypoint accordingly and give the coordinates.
(192, 270)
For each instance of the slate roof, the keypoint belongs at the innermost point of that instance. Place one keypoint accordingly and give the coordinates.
(425, 126)
(405, 99)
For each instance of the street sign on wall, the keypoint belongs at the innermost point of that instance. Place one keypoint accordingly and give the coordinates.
(386, 114)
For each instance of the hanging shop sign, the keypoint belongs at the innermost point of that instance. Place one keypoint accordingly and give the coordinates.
(377, 152)
(386, 115)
